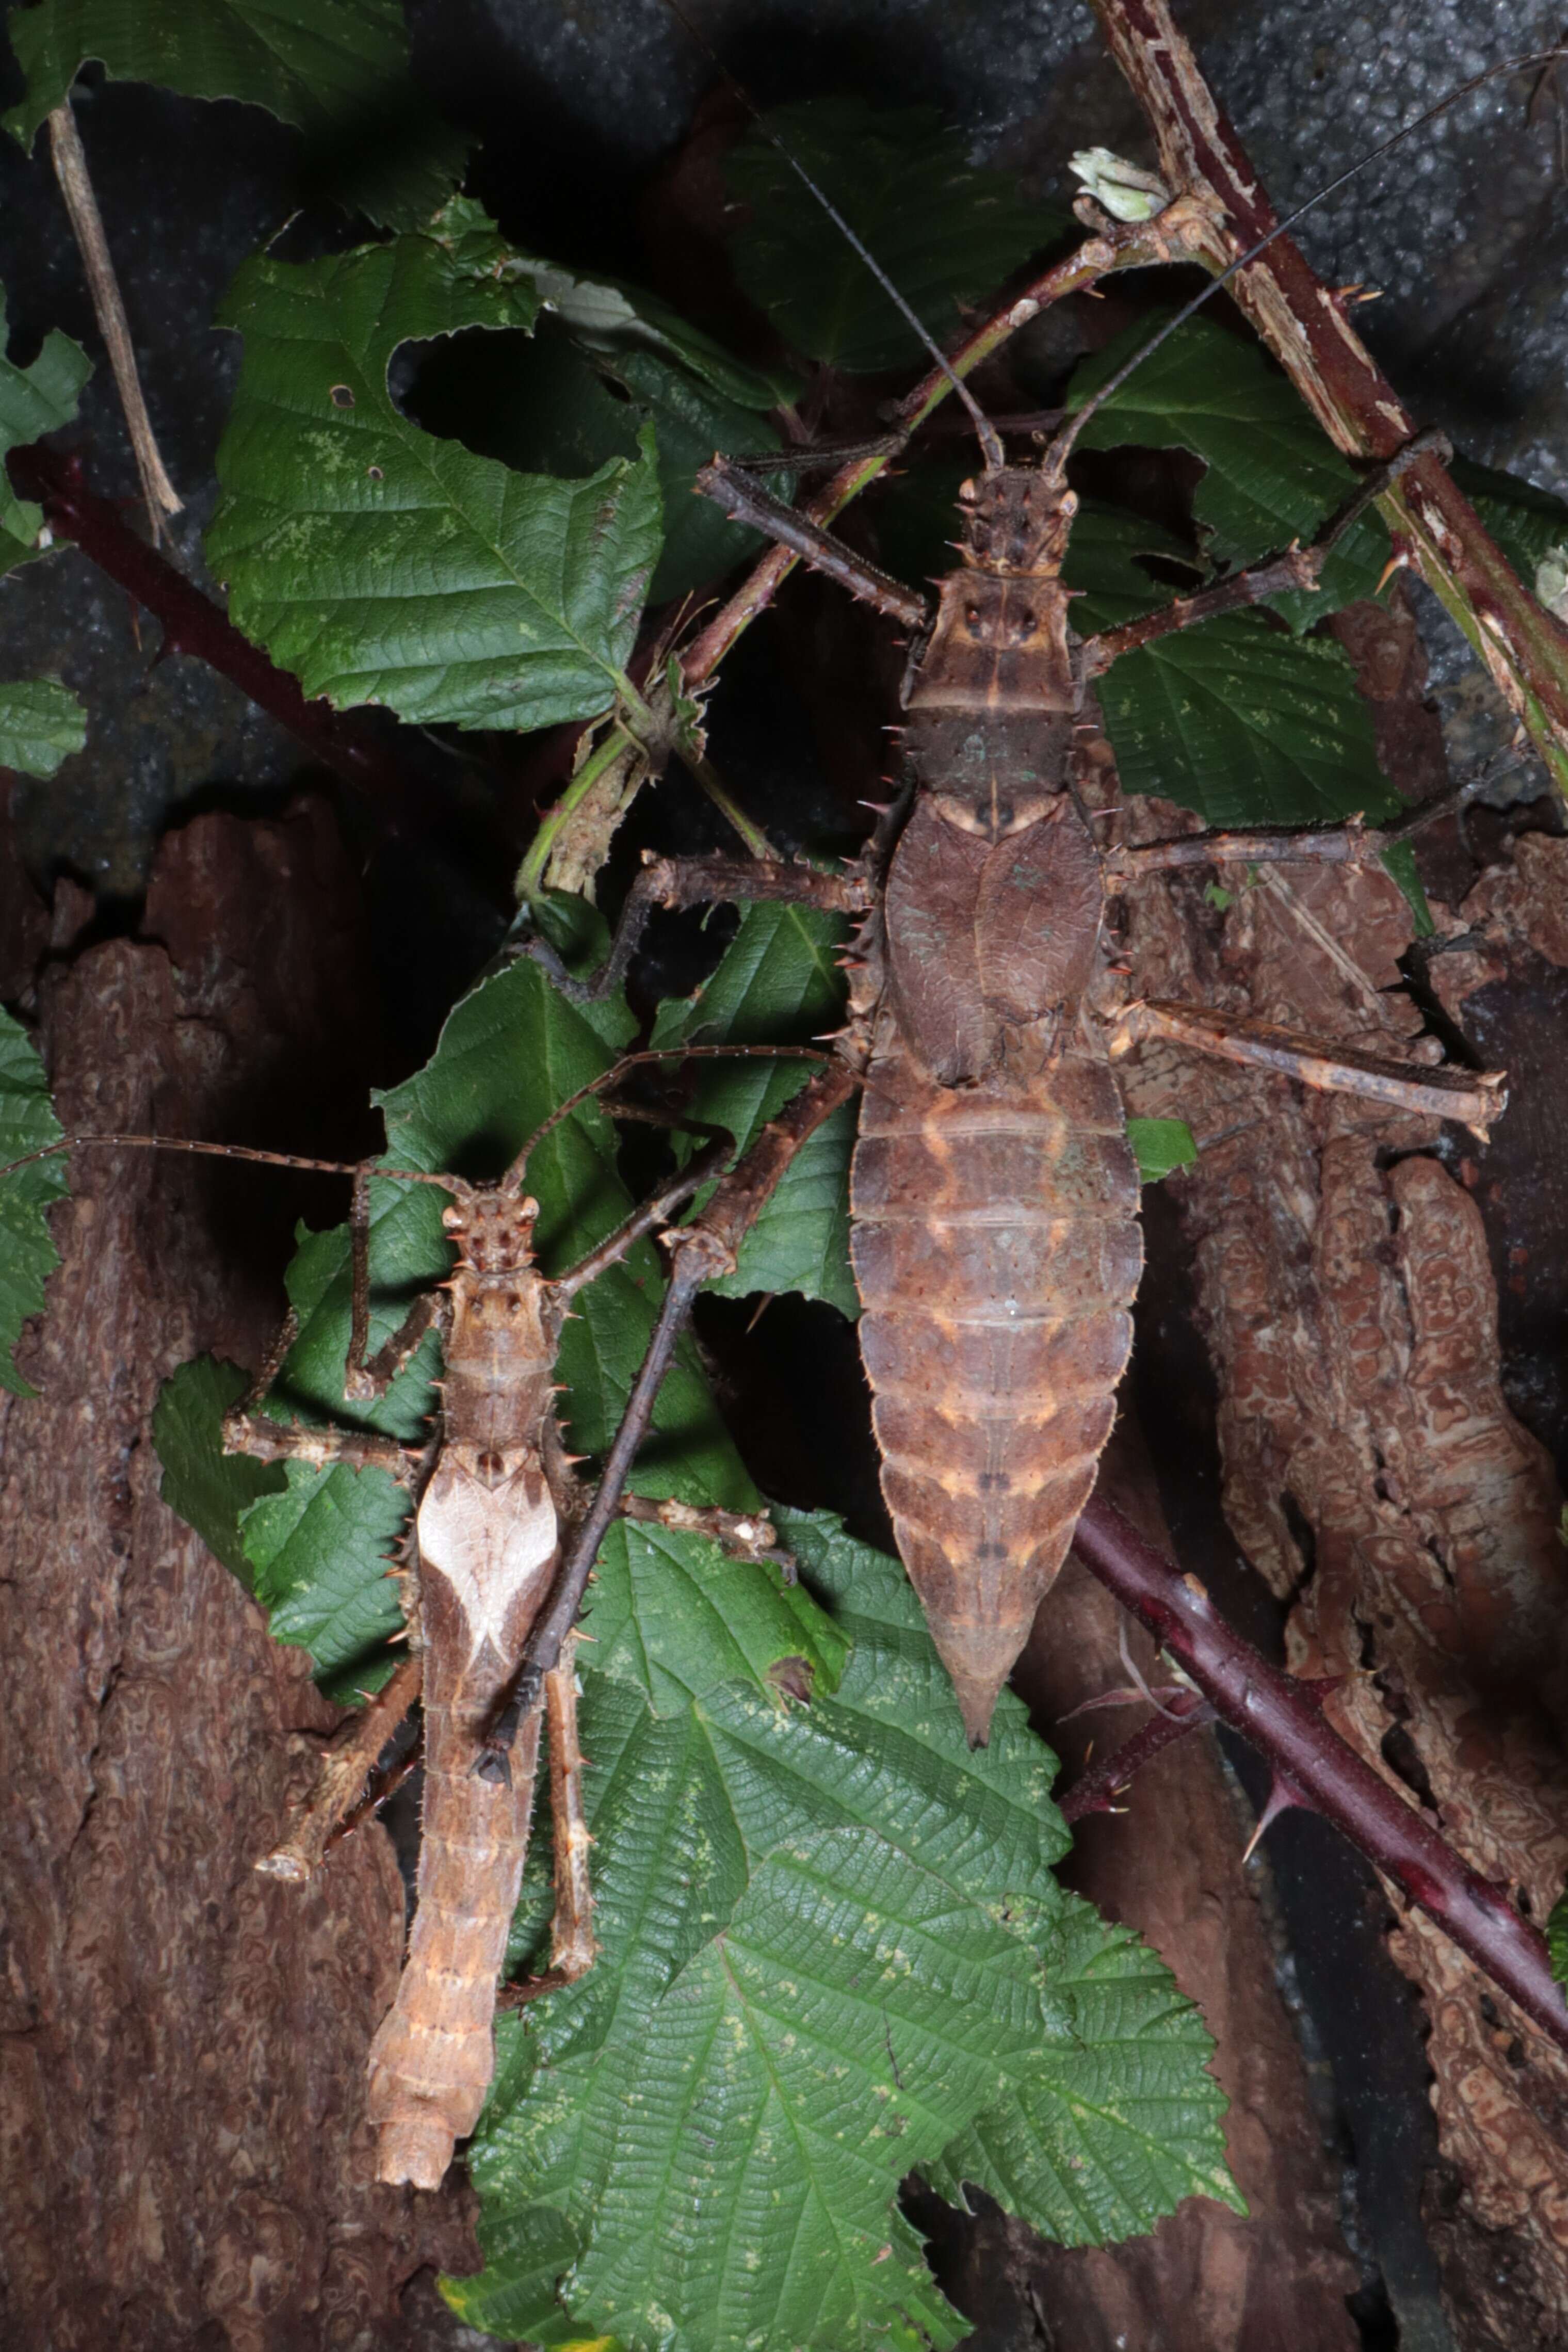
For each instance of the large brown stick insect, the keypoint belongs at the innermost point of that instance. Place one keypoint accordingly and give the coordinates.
(994, 1196)
(502, 1543)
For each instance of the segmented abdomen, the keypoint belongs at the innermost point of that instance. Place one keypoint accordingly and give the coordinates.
(996, 1251)
(433, 2055)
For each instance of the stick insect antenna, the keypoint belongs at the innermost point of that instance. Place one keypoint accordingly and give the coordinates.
(1057, 454)
(989, 438)
(223, 1151)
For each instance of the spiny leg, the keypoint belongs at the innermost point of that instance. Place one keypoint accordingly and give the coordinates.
(745, 1536)
(1350, 844)
(573, 1945)
(364, 1382)
(1475, 1097)
(746, 501)
(1299, 567)
(701, 1252)
(345, 1769)
(673, 882)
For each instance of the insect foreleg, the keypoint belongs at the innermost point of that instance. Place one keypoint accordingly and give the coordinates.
(290, 1441)
(1299, 567)
(674, 883)
(746, 501)
(647, 1218)
(1475, 1097)
(572, 1944)
(345, 1769)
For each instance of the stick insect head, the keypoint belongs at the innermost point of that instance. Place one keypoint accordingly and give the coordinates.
(492, 1225)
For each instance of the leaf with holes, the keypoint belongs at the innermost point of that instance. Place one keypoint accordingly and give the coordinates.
(336, 69)
(383, 565)
(944, 232)
(33, 401)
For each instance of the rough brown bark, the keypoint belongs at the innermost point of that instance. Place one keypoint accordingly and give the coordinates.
(1375, 1475)
(181, 2066)
(1170, 1866)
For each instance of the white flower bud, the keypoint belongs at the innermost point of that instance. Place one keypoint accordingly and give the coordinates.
(1127, 192)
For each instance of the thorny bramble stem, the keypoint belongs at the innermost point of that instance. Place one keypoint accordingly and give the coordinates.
(1282, 1718)
(1095, 1789)
(1307, 329)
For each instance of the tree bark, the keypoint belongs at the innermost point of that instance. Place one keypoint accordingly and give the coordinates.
(181, 2041)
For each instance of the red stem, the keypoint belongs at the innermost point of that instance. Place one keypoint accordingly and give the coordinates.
(1283, 1719)
(1095, 1788)
(193, 623)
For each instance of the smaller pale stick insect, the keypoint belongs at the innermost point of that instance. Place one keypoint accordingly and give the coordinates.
(495, 1508)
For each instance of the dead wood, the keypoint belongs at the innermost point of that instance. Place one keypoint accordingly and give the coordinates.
(181, 2086)
(1375, 1474)
(1170, 1866)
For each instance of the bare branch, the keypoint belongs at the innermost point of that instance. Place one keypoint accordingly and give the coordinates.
(70, 169)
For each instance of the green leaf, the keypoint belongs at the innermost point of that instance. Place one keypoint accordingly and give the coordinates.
(33, 401)
(27, 1255)
(778, 983)
(41, 723)
(320, 1561)
(211, 1490)
(532, 2248)
(1247, 725)
(546, 404)
(1270, 475)
(1527, 523)
(615, 320)
(945, 233)
(1119, 2119)
(690, 422)
(1400, 862)
(671, 1613)
(383, 565)
(337, 70)
(1160, 1145)
(1106, 556)
(1557, 1938)
(831, 1941)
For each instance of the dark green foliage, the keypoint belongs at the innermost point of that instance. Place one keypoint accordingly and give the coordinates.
(41, 723)
(337, 70)
(27, 1255)
(943, 231)
(33, 401)
(1270, 475)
